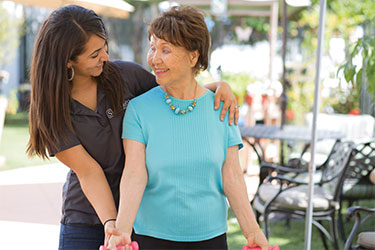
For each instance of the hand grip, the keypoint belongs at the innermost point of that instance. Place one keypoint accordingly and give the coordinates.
(275, 247)
(133, 245)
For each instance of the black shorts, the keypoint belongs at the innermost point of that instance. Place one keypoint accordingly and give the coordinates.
(147, 242)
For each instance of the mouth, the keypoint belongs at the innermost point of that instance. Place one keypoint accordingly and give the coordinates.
(160, 71)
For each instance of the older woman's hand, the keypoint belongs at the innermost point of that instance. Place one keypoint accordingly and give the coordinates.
(109, 230)
(116, 240)
(224, 93)
(258, 239)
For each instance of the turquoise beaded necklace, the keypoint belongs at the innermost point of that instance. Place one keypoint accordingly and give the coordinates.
(178, 110)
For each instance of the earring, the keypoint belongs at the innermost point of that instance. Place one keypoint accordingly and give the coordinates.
(72, 76)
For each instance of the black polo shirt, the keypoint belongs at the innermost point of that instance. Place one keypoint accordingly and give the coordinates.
(100, 134)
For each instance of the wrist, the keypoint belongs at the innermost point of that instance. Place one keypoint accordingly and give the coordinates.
(112, 220)
(251, 233)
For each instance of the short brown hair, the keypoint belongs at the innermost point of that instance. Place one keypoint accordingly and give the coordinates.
(184, 26)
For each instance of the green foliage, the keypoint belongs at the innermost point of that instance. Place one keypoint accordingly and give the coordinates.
(355, 75)
(238, 82)
(342, 101)
(300, 90)
(260, 24)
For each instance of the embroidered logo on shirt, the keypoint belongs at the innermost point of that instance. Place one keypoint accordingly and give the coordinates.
(109, 113)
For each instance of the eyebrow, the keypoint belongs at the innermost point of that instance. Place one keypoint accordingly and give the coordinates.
(105, 43)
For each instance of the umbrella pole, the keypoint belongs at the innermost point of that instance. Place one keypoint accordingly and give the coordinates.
(309, 211)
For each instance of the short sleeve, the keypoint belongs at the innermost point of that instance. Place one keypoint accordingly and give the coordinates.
(71, 141)
(234, 136)
(131, 126)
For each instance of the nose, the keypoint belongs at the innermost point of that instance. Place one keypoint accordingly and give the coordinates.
(104, 56)
(155, 57)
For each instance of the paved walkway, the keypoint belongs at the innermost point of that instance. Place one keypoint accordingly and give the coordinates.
(30, 205)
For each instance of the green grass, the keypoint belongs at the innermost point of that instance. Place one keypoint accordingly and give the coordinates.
(13, 143)
(292, 238)
(288, 239)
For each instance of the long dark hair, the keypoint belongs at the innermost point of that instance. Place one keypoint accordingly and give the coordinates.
(61, 38)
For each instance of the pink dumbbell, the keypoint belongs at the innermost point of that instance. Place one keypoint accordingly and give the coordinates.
(133, 245)
(275, 247)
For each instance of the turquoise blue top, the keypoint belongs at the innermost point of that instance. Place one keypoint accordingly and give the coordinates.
(184, 198)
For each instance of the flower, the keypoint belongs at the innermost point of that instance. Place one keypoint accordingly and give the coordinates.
(355, 111)
(289, 114)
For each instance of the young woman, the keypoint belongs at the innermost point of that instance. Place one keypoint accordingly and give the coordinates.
(181, 162)
(78, 99)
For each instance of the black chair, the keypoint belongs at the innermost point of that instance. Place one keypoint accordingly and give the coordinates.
(290, 196)
(366, 240)
(355, 181)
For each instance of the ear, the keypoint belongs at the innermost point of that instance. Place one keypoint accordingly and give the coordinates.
(69, 64)
(194, 55)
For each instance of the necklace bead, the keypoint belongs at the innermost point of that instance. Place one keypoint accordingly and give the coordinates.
(178, 110)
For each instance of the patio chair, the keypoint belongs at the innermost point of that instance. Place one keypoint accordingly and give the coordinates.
(366, 240)
(290, 195)
(355, 181)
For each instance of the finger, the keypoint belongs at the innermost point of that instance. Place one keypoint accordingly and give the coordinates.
(110, 246)
(224, 111)
(217, 100)
(232, 110)
(236, 116)
(106, 239)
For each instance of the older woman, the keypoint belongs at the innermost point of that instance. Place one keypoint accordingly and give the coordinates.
(181, 161)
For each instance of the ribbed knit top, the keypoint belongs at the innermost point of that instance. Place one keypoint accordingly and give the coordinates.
(184, 198)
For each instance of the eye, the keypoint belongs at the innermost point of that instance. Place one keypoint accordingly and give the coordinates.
(166, 50)
(95, 55)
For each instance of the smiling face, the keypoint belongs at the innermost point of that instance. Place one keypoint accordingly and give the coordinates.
(171, 64)
(90, 62)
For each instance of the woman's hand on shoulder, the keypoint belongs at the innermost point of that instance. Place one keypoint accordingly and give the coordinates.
(258, 239)
(224, 93)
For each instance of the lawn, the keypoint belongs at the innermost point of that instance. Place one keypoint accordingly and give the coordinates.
(292, 238)
(13, 145)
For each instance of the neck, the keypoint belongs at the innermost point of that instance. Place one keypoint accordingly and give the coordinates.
(185, 90)
(82, 84)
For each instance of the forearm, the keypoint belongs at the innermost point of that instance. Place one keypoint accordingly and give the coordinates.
(240, 204)
(235, 189)
(133, 184)
(92, 180)
(96, 188)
